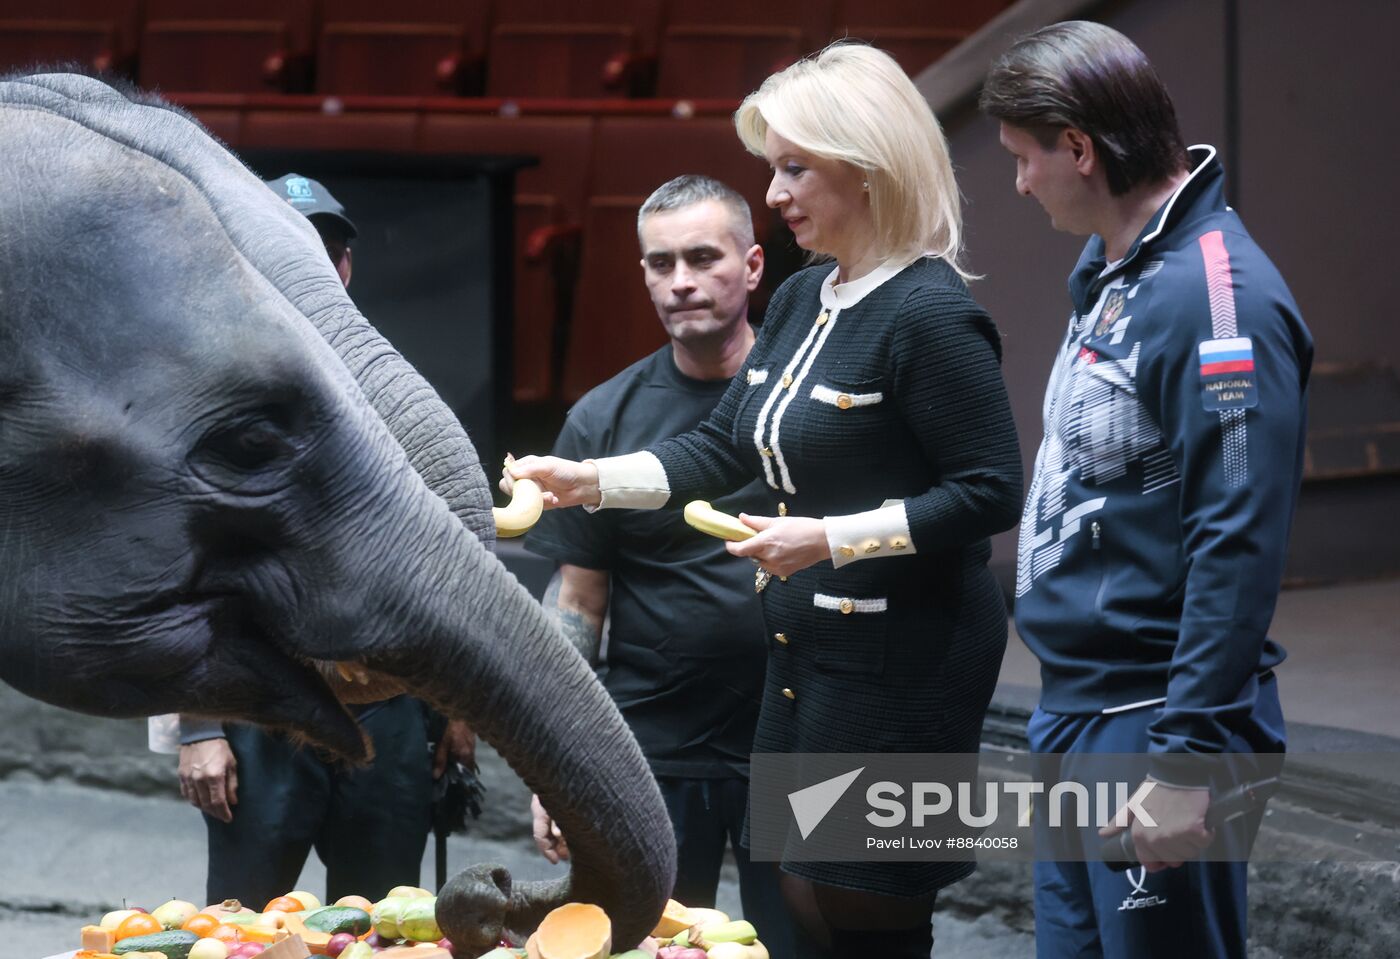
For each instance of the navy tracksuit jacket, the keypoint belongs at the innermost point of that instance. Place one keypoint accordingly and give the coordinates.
(1156, 525)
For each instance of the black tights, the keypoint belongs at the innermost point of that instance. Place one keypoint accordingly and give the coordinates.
(851, 923)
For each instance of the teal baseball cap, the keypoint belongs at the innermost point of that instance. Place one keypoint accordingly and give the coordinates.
(312, 200)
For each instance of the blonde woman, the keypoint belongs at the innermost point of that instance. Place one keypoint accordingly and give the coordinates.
(872, 406)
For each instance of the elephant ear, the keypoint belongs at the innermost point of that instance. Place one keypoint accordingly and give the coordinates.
(283, 246)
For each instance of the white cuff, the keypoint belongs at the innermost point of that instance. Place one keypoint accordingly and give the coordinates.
(868, 535)
(634, 481)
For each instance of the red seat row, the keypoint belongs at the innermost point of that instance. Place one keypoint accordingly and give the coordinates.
(578, 277)
(520, 48)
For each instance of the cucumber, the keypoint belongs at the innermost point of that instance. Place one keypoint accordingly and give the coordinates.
(334, 919)
(174, 944)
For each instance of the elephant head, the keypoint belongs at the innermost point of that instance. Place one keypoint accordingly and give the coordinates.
(213, 472)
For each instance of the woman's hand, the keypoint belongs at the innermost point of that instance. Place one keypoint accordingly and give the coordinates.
(784, 544)
(562, 482)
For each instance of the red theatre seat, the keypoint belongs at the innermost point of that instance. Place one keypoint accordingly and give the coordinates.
(613, 322)
(407, 48)
(549, 204)
(387, 131)
(100, 34)
(914, 32)
(583, 48)
(726, 48)
(229, 46)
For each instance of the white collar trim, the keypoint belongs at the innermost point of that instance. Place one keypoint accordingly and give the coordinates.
(840, 296)
(1166, 214)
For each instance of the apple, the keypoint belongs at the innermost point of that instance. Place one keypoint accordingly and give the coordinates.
(357, 950)
(208, 949)
(338, 942)
(247, 950)
(175, 913)
(408, 892)
(418, 920)
(308, 900)
(114, 918)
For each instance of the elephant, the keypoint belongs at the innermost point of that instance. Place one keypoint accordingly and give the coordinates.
(215, 474)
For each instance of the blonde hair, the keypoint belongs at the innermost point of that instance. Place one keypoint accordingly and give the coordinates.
(853, 103)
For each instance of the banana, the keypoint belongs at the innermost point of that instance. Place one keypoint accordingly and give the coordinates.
(707, 519)
(523, 511)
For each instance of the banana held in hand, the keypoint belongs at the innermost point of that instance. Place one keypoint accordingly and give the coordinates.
(707, 519)
(526, 505)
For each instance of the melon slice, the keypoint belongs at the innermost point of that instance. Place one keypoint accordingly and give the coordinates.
(673, 920)
(576, 930)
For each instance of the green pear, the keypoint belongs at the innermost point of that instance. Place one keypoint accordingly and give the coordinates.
(385, 917)
(418, 920)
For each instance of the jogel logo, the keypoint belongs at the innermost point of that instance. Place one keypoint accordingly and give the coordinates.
(1138, 898)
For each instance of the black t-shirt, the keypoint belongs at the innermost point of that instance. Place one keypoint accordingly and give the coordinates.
(686, 651)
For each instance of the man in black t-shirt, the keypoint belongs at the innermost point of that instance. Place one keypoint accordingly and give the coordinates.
(686, 654)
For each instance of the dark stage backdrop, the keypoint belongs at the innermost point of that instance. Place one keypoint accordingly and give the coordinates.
(432, 267)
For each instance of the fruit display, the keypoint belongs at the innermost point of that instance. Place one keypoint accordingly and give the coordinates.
(402, 925)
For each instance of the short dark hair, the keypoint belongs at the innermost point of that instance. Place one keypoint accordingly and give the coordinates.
(692, 188)
(1092, 78)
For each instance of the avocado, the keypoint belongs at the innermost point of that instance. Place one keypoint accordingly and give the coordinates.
(174, 944)
(334, 919)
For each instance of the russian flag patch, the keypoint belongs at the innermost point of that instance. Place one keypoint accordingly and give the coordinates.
(1227, 374)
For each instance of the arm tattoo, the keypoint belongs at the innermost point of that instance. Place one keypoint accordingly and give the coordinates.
(581, 634)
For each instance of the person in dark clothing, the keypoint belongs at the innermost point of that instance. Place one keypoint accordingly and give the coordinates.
(267, 802)
(1157, 522)
(873, 412)
(685, 650)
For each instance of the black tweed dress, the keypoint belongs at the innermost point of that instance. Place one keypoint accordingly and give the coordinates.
(892, 395)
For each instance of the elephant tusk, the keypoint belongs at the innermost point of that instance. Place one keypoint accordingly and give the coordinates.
(526, 505)
(707, 519)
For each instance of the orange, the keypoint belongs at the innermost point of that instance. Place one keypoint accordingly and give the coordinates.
(226, 934)
(283, 904)
(140, 924)
(201, 924)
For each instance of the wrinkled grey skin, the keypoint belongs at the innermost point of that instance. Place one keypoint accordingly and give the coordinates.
(213, 471)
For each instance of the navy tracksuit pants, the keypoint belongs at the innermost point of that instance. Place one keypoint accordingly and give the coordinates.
(1083, 910)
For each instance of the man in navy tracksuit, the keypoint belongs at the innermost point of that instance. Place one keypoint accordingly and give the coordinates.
(1156, 525)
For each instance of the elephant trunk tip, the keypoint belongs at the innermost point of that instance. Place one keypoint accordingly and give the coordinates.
(472, 907)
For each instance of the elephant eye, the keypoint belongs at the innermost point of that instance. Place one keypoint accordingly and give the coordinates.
(249, 445)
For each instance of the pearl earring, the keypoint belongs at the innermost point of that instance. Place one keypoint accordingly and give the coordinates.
(865, 184)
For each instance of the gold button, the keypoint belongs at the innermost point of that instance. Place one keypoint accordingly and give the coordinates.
(787, 380)
(789, 693)
(782, 579)
(872, 546)
(847, 607)
(822, 317)
(898, 543)
(846, 551)
(781, 638)
(782, 509)
(844, 401)
(766, 451)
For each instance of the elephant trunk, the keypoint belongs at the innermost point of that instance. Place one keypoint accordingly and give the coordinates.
(468, 638)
